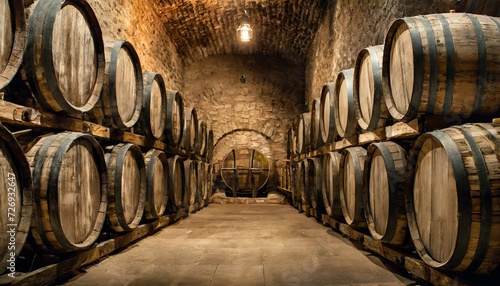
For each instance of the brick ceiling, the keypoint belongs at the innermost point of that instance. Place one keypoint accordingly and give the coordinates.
(202, 28)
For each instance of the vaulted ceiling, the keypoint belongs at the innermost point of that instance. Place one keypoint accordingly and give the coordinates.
(202, 28)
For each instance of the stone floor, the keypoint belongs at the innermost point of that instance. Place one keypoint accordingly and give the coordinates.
(242, 245)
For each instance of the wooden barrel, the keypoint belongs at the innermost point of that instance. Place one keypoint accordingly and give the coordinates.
(316, 138)
(176, 184)
(351, 169)
(297, 184)
(369, 104)
(486, 7)
(127, 187)
(64, 58)
(314, 184)
(346, 124)
(191, 184)
(327, 117)
(304, 183)
(201, 144)
(304, 133)
(174, 126)
(331, 185)
(442, 64)
(190, 134)
(210, 146)
(458, 227)
(70, 191)
(121, 99)
(12, 39)
(157, 184)
(203, 186)
(291, 147)
(383, 192)
(154, 103)
(16, 199)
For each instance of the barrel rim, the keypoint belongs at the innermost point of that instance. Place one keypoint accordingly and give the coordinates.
(329, 135)
(175, 163)
(316, 138)
(173, 95)
(351, 127)
(19, 41)
(333, 209)
(146, 103)
(358, 218)
(151, 158)
(47, 14)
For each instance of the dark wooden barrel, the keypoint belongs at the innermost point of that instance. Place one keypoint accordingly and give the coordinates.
(210, 145)
(383, 192)
(201, 144)
(191, 184)
(316, 138)
(346, 124)
(442, 64)
(458, 227)
(157, 184)
(174, 126)
(304, 133)
(352, 164)
(369, 104)
(70, 191)
(64, 58)
(202, 191)
(314, 184)
(327, 117)
(16, 198)
(297, 184)
(486, 7)
(121, 99)
(304, 183)
(176, 184)
(190, 134)
(154, 103)
(331, 185)
(291, 148)
(12, 40)
(127, 186)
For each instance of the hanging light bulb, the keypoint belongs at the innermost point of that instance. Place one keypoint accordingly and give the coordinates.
(244, 31)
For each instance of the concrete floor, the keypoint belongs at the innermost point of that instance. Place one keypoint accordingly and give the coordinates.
(242, 245)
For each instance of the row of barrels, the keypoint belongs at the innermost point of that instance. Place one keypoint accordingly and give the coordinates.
(442, 193)
(62, 193)
(440, 64)
(70, 68)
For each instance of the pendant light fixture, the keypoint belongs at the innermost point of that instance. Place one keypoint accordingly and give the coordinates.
(244, 31)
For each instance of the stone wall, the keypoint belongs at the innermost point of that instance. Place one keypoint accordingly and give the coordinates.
(254, 114)
(350, 26)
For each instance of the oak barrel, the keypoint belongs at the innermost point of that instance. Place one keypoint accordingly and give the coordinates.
(190, 134)
(176, 184)
(12, 39)
(458, 227)
(383, 192)
(16, 198)
(369, 104)
(304, 132)
(291, 142)
(190, 195)
(314, 184)
(486, 7)
(127, 186)
(352, 164)
(70, 191)
(121, 99)
(346, 124)
(201, 144)
(210, 145)
(174, 126)
(154, 104)
(443, 64)
(157, 184)
(331, 185)
(327, 117)
(64, 58)
(304, 183)
(297, 183)
(316, 138)
(203, 177)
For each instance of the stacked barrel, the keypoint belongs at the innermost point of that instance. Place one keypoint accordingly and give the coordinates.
(437, 192)
(63, 191)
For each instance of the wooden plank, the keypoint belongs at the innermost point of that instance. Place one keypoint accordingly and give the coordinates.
(346, 142)
(369, 137)
(403, 130)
